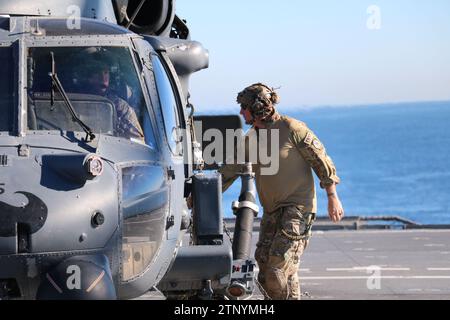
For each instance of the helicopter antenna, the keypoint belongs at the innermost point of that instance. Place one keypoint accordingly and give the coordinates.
(139, 7)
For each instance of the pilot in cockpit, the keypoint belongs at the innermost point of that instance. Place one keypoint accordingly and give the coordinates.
(97, 82)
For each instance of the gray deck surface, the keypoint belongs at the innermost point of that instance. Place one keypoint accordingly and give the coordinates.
(408, 264)
(374, 264)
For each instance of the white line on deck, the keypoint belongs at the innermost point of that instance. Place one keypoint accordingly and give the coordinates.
(415, 290)
(301, 270)
(368, 268)
(376, 277)
(438, 269)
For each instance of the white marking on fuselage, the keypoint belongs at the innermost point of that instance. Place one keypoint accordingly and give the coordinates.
(50, 279)
(96, 281)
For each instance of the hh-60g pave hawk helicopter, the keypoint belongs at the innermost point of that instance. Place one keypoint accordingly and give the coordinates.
(98, 155)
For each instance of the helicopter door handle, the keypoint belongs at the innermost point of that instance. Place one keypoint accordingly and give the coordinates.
(171, 173)
(170, 222)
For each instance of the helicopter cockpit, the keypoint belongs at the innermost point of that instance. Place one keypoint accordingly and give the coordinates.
(100, 83)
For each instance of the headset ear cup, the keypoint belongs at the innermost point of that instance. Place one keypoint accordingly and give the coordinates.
(275, 97)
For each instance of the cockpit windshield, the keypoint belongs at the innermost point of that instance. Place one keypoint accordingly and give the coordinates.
(102, 85)
(6, 89)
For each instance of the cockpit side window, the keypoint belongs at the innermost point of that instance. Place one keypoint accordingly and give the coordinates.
(102, 85)
(168, 104)
(6, 89)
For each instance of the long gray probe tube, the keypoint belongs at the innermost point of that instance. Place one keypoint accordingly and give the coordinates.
(245, 210)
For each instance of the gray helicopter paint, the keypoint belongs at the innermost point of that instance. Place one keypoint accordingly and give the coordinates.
(176, 160)
(67, 214)
(145, 281)
(199, 262)
(54, 26)
(109, 148)
(28, 269)
(65, 224)
(114, 150)
(186, 56)
(95, 9)
(183, 57)
(159, 44)
(34, 213)
(155, 272)
(58, 27)
(176, 164)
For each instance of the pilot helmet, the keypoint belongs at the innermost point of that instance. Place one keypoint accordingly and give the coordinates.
(259, 99)
(88, 63)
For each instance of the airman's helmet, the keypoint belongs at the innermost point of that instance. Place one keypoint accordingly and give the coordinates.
(259, 99)
(92, 60)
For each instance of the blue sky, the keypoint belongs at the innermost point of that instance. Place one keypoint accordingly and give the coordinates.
(321, 52)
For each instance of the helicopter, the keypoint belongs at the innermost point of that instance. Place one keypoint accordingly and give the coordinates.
(100, 153)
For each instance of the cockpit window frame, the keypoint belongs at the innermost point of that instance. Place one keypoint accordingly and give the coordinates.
(13, 117)
(87, 41)
(148, 101)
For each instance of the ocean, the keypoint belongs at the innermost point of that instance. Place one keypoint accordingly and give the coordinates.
(393, 159)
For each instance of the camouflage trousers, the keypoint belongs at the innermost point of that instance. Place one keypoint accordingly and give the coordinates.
(283, 236)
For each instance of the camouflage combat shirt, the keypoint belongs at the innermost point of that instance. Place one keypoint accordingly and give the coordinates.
(127, 123)
(300, 152)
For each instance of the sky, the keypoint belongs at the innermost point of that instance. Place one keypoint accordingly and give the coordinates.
(321, 52)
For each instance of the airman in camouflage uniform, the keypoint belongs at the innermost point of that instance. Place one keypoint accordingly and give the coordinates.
(127, 123)
(288, 197)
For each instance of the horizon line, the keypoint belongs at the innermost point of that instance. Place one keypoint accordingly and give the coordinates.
(323, 106)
